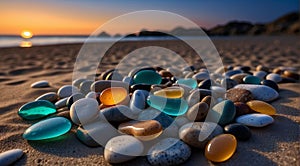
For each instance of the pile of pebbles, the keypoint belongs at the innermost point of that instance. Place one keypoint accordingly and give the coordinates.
(160, 113)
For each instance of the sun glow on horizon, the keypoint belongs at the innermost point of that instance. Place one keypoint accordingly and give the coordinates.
(26, 34)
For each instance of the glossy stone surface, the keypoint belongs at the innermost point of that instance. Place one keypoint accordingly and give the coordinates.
(216, 151)
(228, 83)
(222, 113)
(138, 101)
(255, 120)
(197, 112)
(188, 81)
(205, 84)
(274, 77)
(232, 72)
(261, 107)
(122, 148)
(10, 156)
(241, 132)
(260, 74)
(73, 98)
(84, 110)
(169, 151)
(260, 92)
(67, 91)
(143, 130)
(174, 107)
(201, 76)
(239, 77)
(197, 95)
(78, 81)
(151, 113)
(251, 80)
(40, 84)
(50, 96)
(270, 84)
(85, 138)
(48, 128)
(170, 92)
(101, 85)
(36, 109)
(85, 86)
(242, 109)
(118, 113)
(147, 77)
(238, 95)
(291, 74)
(113, 95)
(61, 103)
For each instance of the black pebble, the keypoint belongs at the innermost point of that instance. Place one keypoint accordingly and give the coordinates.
(241, 132)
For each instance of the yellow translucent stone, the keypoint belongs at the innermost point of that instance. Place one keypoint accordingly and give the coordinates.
(221, 148)
(170, 92)
(113, 95)
(261, 107)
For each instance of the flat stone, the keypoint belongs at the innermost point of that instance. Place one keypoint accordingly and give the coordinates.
(85, 86)
(10, 156)
(249, 79)
(241, 132)
(260, 92)
(242, 109)
(85, 138)
(291, 74)
(230, 73)
(197, 112)
(84, 110)
(73, 98)
(274, 77)
(67, 91)
(169, 151)
(101, 85)
(239, 77)
(113, 96)
(50, 96)
(238, 95)
(201, 76)
(222, 113)
(138, 101)
(170, 92)
(261, 107)
(255, 120)
(147, 77)
(40, 84)
(36, 109)
(118, 113)
(78, 81)
(270, 84)
(61, 103)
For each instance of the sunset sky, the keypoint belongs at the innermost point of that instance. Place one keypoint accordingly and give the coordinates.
(82, 17)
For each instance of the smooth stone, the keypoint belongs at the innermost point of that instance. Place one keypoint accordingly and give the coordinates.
(92, 95)
(260, 92)
(9, 157)
(36, 109)
(78, 81)
(241, 132)
(208, 100)
(197, 134)
(251, 80)
(261, 107)
(85, 86)
(143, 130)
(255, 120)
(50, 96)
(61, 103)
(205, 84)
(147, 77)
(242, 109)
(181, 120)
(277, 71)
(85, 138)
(67, 91)
(218, 91)
(216, 151)
(73, 98)
(201, 76)
(173, 107)
(40, 84)
(222, 113)
(239, 77)
(155, 88)
(262, 68)
(238, 95)
(244, 68)
(151, 113)
(197, 95)
(138, 69)
(128, 80)
(65, 114)
(291, 74)
(274, 77)
(106, 73)
(118, 113)
(287, 80)
(146, 87)
(270, 84)
(101, 85)
(84, 110)
(170, 92)
(48, 128)
(186, 89)
(197, 112)
(228, 83)
(188, 82)
(165, 73)
(169, 151)
(113, 95)
(115, 75)
(122, 148)
(175, 71)
(260, 74)
(232, 72)
(138, 101)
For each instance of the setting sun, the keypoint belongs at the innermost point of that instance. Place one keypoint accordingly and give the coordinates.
(26, 34)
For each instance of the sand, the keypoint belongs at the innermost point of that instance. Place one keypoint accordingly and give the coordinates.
(277, 144)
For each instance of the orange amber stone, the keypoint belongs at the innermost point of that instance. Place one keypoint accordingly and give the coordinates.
(170, 92)
(261, 107)
(221, 148)
(113, 95)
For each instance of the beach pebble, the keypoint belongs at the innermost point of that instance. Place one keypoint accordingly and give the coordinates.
(40, 84)
(255, 120)
(181, 120)
(222, 113)
(169, 151)
(84, 110)
(262, 68)
(291, 74)
(78, 81)
(201, 76)
(274, 77)
(241, 109)
(186, 88)
(208, 100)
(197, 112)
(230, 73)
(138, 69)
(197, 134)
(61, 103)
(205, 84)
(270, 84)
(165, 73)
(104, 74)
(48, 128)
(218, 91)
(115, 75)
(146, 87)
(147, 77)
(138, 101)
(197, 95)
(67, 91)
(143, 130)
(239, 77)
(113, 96)
(188, 74)
(9, 157)
(241, 132)
(260, 92)
(192, 83)
(122, 148)
(92, 95)
(260, 74)
(50, 96)
(249, 79)
(238, 95)
(175, 71)
(216, 151)
(151, 113)
(118, 113)
(261, 107)
(228, 83)
(128, 80)
(73, 98)
(36, 109)
(85, 138)
(170, 92)
(85, 86)
(100, 85)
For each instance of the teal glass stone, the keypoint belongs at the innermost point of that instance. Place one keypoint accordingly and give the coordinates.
(173, 107)
(48, 128)
(36, 109)
(147, 77)
(188, 82)
(222, 113)
(251, 80)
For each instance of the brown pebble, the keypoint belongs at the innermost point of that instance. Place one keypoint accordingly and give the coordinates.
(198, 112)
(242, 109)
(65, 114)
(291, 74)
(207, 100)
(239, 77)
(262, 68)
(277, 71)
(238, 95)
(165, 73)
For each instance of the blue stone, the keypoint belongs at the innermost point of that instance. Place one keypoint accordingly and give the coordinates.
(147, 77)
(222, 113)
(249, 79)
(188, 81)
(36, 109)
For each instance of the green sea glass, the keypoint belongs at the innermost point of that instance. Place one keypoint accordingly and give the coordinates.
(48, 128)
(147, 77)
(173, 107)
(36, 109)
(188, 82)
(251, 80)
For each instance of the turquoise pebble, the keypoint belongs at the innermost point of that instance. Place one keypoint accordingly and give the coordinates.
(49, 128)
(188, 81)
(173, 107)
(251, 80)
(36, 109)
(147, 77)
(222, 113)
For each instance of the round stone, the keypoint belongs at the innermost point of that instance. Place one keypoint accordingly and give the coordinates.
(169, 151)
(50, 96)
(255, 120)
(222, 113)
(238, 77)
(270, 84)
(249, 79)
(201, 76)
(147, 77)
(151, 113)
(115, 75)
(67, 91)
(101, 85)
(260, 92)
(73, 98)
(198, 112)
(241, 132)
(61, 103)
(260, 74)
(216, 151)
(40, 84)
(92, 95)
(291, 74)
(113, 96)
(262, 68)
(228, 83)
(232, 72)
(118, 113)
(10, 156)
(85, 86)
(208, 100)
(170, 92)
(85, 138)
(238, 95)
(84, 110)
(197, 95)
(165, 73)
(205, 84)
(46, 129)
(241, 109)
(192, 83)
(36, 109)
(78, 81)
(261, 107)
(138, 101)
(274, 77)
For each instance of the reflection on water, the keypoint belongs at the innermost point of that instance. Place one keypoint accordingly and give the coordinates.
(25, 43)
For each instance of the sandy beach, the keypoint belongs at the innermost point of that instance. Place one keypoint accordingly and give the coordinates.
(277, 144)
